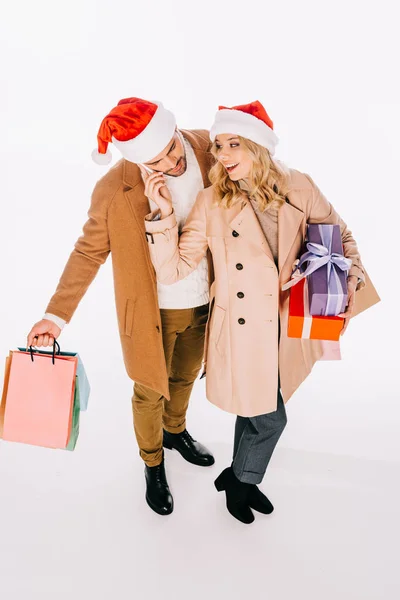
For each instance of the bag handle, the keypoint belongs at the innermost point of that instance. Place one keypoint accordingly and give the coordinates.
(32, 350)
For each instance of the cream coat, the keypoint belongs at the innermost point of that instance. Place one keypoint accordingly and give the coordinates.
(243, 360)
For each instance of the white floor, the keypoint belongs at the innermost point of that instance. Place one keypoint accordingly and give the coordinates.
(75, 525)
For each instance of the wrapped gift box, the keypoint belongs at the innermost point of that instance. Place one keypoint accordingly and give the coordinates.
(327, 285)
(301, 324)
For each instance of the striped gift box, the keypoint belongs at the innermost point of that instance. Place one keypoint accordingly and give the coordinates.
(303, 325)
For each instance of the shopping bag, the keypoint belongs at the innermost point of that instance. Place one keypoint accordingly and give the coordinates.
(75, 419)
(38, 399)
(83, 382)
(4, 394)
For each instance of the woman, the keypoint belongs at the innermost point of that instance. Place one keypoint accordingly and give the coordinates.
(253, 218)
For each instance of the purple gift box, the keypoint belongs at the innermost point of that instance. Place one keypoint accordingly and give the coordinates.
(328, 269)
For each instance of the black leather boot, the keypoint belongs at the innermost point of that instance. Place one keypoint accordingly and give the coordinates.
(158, 495)
(192, 451)
(236, 495)
(259, 501)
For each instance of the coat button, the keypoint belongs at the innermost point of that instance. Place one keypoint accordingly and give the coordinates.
(239, 266)
(240, 295)
(241, 321)
(235, 233)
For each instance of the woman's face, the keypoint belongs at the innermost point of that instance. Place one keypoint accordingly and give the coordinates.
(232, 156)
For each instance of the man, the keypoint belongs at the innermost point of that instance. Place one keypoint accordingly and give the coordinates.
(162, 328)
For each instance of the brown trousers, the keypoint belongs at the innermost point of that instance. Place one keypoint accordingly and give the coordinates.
(183, 332)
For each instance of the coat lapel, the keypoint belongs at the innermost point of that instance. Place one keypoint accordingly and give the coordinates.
(246, 224)
(201, 148)
(289, 220)
(134, 192)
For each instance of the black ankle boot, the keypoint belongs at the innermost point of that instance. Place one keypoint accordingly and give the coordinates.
(259, 501)
(236, 495)
(158, 495)
(192, 451)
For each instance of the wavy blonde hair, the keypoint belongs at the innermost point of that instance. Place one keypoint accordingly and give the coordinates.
(267, 181)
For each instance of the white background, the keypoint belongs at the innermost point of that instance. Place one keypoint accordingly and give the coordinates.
(75, 524)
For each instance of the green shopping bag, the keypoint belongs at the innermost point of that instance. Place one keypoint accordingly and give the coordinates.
(76, 411)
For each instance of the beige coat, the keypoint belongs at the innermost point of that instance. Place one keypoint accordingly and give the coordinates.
(116, 225)
(243, 359)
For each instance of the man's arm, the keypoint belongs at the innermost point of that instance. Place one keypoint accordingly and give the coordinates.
(90, 252)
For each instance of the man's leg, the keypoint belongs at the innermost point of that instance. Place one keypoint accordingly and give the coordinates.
(147, 405)
(147, 416)
(185, 367)
(147, 421)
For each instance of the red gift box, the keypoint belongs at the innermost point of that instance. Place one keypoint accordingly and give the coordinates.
(303, 325)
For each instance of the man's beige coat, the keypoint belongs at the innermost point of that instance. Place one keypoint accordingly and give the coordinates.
(116, 225)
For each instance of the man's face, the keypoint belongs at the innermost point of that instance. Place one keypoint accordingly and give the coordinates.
(172, 160)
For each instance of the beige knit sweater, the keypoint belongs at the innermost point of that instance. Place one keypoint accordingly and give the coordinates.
(269, 224)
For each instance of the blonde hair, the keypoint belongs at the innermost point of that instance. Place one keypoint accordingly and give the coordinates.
(266, 181)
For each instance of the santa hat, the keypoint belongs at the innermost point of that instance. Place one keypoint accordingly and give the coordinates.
(138, 128)
(250, 121)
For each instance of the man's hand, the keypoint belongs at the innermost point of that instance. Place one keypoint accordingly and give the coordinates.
(156, 190)
(43, 333)
(352, 281)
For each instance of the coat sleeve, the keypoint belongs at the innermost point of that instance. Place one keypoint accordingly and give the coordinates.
(90, 252)
(175, 256)
(321, 211)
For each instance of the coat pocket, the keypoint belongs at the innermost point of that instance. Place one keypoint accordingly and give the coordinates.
(129, 316)
(217, 321)
(207, 330)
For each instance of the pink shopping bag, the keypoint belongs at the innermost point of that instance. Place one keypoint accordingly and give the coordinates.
(37, 404)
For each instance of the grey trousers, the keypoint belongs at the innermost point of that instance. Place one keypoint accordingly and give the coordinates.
(255, 441)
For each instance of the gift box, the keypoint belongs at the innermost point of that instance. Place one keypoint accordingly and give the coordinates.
(301, 324)
(326, 270)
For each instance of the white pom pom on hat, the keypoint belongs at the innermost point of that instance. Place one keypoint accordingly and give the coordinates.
(101, 159)
(140, 129)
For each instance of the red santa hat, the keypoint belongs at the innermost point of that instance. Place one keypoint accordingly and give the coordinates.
(138, 128)
(250, 121)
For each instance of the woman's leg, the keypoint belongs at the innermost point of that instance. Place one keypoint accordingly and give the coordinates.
(255, 441)
(240, 426)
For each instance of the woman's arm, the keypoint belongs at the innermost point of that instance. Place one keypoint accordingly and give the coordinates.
(174, 256)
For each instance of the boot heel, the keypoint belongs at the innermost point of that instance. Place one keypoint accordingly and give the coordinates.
(219, 483)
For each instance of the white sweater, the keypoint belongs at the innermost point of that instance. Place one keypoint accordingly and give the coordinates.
(193, 290)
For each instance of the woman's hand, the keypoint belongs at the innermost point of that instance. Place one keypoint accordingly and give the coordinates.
(352, 281)
(156, 190)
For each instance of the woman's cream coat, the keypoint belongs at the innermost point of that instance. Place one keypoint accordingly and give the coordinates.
(242, 352)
